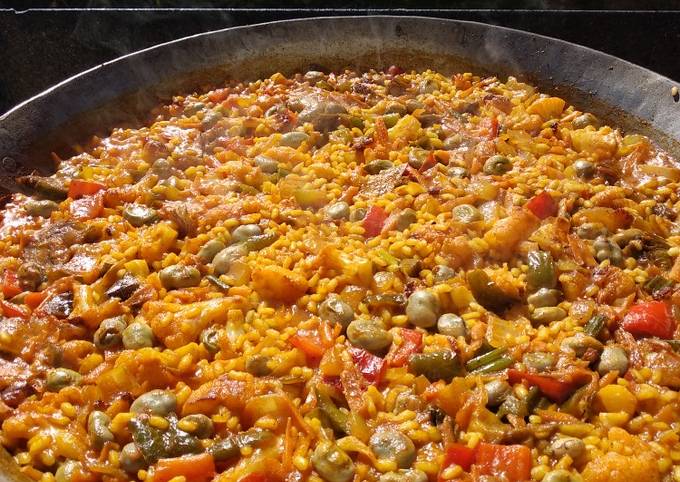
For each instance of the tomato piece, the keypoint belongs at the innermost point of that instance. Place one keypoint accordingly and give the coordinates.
(79, 188)
(374, 221)
(412, 342)
(10, 284)
(555, 390)
(33, 299)
(88, 207)
(649, 319)
(542, 205)
(457, 454)
(371, 367)
(196, 468)
(11, 310)
(511, 462)
(309, 344)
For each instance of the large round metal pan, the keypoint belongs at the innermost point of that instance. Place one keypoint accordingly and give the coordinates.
(121, 91)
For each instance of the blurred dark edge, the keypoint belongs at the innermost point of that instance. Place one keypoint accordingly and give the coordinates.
(42, 46)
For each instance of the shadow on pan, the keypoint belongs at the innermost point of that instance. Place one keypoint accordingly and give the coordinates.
(122, 92)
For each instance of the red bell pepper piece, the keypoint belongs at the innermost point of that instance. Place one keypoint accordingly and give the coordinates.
(371, 367)
(459, 455)
(33, 299)
(556, 390)
(374, 221)
(88, 207)
(309, 344)
(494, 128)
(11, 310)
(10, 284)
(79, 188)
(649, 319)
(508, 462)
(542, 205)
(412, 342)
(196, 468)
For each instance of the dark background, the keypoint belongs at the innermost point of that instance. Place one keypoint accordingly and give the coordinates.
(43, 42)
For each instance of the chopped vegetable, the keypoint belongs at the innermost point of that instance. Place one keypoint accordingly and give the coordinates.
(511, 462)
(543, 205)
(411, 342)
(196, 468)
(309, 344)
(487, 293)
(10, 284)
(650, 318)
(371, 367)
(79, 188)
(595, 325)
(556, 390)
(459, 455)
(11, 310)
(374, 221)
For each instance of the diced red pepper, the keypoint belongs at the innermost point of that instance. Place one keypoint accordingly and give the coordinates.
(542, 205)
(649, 319)
(494, 128)
(457, 454)
(556, 390)
(371, 367)
(333, 381)
(412, 342)
(34, 299)
(10, 284)
(88, 207)
(79, 188)
(374, 221)
(196, 468)
(309, 344)
(11, 310)
(508, 462)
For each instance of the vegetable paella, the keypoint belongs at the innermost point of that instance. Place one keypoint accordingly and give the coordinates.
(381, 276)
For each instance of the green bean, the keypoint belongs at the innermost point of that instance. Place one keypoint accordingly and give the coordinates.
(230, 447)
(495, 366)
(541, 273)
(484, 359)
(595, 325)
(487, 293)
(148, 439)
(218, 282)
(336, 416)
(657, 284)
(437, 365)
